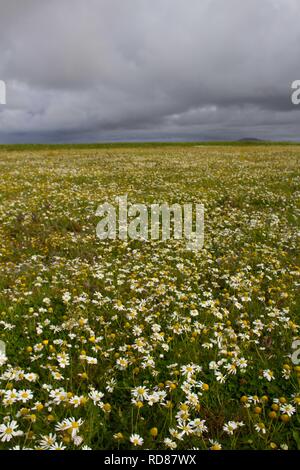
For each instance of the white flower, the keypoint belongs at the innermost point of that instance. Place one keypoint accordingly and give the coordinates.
(47, 441)
(91, 360)
(286, 374)
(220, 377)
(63, 360)
(189, 369)
(169, 443)
(268, 374)
(3, 359)
(62, 426)
(122, 363)
(77, 440)
(59, 395)
(136, 440)
(66, 297)
(231, 426)
(231, 368)
(10, 397)
(242, 363)
(215, 445)
(110, 385)
(25, 395)
(213, 365)
(288, 409)
(198, 425)
(140, 393)
(185, 428)
(176, 434)
(75, 401)
(96, 396)
(260, 427)
(284, 447)
(31, 377)
(71, 423)
(9, 430)
(57, 446)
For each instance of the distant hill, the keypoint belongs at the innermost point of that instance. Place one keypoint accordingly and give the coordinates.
(250, 139)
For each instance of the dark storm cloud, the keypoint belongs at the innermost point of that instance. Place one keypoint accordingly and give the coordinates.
(146, 69)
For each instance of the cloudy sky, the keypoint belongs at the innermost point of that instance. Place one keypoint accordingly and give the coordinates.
(97, 70)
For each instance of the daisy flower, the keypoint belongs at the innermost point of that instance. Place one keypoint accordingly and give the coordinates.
(9, 430)
(136, 440)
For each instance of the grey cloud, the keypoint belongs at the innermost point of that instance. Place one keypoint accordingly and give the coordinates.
(146, 69)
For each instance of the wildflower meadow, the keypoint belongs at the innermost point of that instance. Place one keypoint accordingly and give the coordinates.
(144, 344)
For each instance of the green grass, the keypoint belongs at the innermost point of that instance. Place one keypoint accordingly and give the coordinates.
(129, 145)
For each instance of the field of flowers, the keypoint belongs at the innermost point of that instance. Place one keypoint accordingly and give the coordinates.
(145, 345)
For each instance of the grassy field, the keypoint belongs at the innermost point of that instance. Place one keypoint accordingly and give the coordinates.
(145, 345)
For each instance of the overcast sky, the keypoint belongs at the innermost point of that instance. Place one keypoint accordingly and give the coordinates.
(94, 70)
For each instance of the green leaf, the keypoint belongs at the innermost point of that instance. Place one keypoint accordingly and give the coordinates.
(296, 436)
